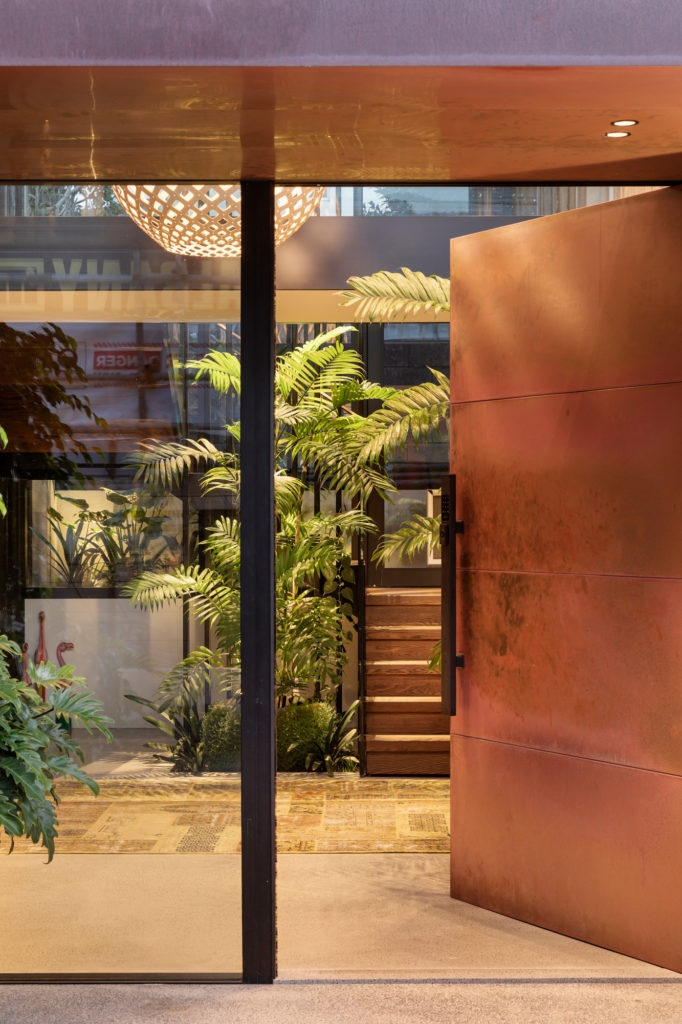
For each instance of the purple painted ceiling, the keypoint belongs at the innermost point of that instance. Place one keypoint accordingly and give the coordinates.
(345, 32)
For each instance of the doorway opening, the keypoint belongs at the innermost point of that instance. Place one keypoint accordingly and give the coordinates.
(136, 339)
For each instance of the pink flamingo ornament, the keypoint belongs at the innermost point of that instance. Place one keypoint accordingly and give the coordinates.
(61, 647)
(40, 654)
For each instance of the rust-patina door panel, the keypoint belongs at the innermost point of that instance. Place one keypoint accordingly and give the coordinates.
(615, 883)
(570, 664)
(586, 482)
(567, 444)
(605, 268)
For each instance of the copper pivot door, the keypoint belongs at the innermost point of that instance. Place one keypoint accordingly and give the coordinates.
(567, 444)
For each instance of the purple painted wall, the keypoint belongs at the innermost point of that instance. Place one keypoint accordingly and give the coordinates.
(346, 32)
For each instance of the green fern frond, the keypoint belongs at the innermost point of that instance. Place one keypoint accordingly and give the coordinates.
(288, 492)
(299, 369)
(156, 589)
(186, 681)
(351, 522)
(223, 369)
(163, 463)
(347, 366)
(223, 477)
(413, 537)
(387, 295)
(338, 467)
(287, 415)
(413, 413)
(360, 391)
(224, 546)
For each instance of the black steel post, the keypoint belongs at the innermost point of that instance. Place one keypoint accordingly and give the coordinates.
(258, 582)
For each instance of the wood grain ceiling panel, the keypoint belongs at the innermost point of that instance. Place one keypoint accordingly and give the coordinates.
(340, 124)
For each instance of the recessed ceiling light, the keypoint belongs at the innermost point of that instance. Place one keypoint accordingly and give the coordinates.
(616, 135)
(624, 124)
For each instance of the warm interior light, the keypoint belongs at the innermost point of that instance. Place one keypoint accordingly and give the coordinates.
(624, 124)
(205, 220)
(616, 135)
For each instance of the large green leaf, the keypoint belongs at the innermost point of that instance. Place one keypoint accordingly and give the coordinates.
(414, 536)
(222, 368)
(164, 463)
(387, 295)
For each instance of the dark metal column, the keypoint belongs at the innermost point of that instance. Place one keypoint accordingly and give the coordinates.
(257, 582)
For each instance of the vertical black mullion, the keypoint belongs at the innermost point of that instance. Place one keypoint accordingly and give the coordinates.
(258, 582)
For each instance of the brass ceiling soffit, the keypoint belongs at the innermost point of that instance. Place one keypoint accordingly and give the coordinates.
(303, 124)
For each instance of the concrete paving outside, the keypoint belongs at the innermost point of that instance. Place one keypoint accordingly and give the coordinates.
(371, 937)
(455, 1002)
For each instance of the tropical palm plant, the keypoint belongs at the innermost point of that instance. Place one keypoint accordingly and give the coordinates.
(130, 537)
(323, 443)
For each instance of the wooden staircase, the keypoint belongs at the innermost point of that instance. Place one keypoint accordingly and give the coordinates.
(405, 732)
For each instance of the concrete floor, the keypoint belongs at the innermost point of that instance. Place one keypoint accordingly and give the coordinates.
(344, 1003)
(384, 916)
(370, 937)
(340, 916)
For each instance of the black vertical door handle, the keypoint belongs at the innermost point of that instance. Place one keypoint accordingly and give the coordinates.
(450, 660)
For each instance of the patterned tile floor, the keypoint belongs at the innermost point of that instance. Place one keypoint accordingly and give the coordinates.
(142, 808)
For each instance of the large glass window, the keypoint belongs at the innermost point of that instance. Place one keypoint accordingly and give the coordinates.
(102, 400)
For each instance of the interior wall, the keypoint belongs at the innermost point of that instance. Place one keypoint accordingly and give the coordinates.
(117, 648)
(567, 427)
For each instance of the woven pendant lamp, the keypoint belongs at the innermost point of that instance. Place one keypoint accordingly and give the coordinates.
(205, 220)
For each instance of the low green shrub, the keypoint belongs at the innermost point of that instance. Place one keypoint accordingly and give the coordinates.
(303, 727)
(221, 736)
(336, 752)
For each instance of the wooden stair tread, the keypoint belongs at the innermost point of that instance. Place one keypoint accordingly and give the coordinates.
(387, 596)
(403, 671)
(407, 662)
(403, 631)
(400, 741)
(398, 703)
(425, 684)
(409, 763)
(405, 700)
